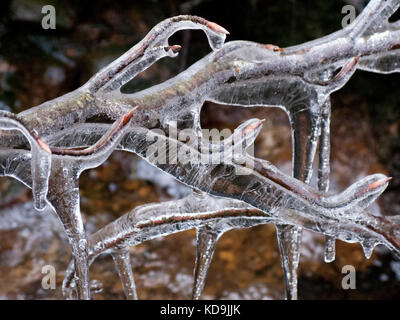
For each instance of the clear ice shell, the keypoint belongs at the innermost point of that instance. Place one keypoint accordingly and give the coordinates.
(40, 159)
(239, 73)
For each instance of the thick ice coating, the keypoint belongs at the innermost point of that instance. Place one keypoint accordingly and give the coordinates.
(298, 79)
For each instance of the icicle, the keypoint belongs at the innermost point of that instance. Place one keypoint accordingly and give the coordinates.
(330, 245)
(40, 157)
(124, 268)
(368, 250)
(368, 246)
(289, 250)
(41, 165)
(206, 242)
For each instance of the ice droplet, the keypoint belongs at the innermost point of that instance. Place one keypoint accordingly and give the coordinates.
(368, 246)
(330, 248)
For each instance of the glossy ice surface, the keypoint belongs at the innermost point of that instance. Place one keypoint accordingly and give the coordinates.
(63, 142)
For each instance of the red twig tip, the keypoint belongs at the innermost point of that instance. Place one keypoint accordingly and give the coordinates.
(378, 184)
(128, 116)
(273, 47)
(216, 27)
(175, 48)
(253, 126)
(43, 145)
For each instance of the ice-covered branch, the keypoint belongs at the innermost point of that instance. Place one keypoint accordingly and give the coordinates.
(298, 79)
(218, 215)
(56, 115)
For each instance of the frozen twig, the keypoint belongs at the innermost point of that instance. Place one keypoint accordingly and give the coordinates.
(298, 79)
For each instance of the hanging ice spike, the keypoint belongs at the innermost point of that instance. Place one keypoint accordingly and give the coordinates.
(206, 242)
(298, 79)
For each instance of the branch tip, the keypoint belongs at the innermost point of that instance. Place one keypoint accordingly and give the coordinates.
(217, 27)
(273, 47)
(43, 145)
(128, 116)
(253, 126)
(175, 48)
(378, 184)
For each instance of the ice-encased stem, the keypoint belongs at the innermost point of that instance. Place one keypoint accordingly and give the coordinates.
(64, 196)
(123, 265)
(207, 239)
(126, 67)
(304, 138)
(330, 249)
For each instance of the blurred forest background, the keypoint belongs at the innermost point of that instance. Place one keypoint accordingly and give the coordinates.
(37, 65)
